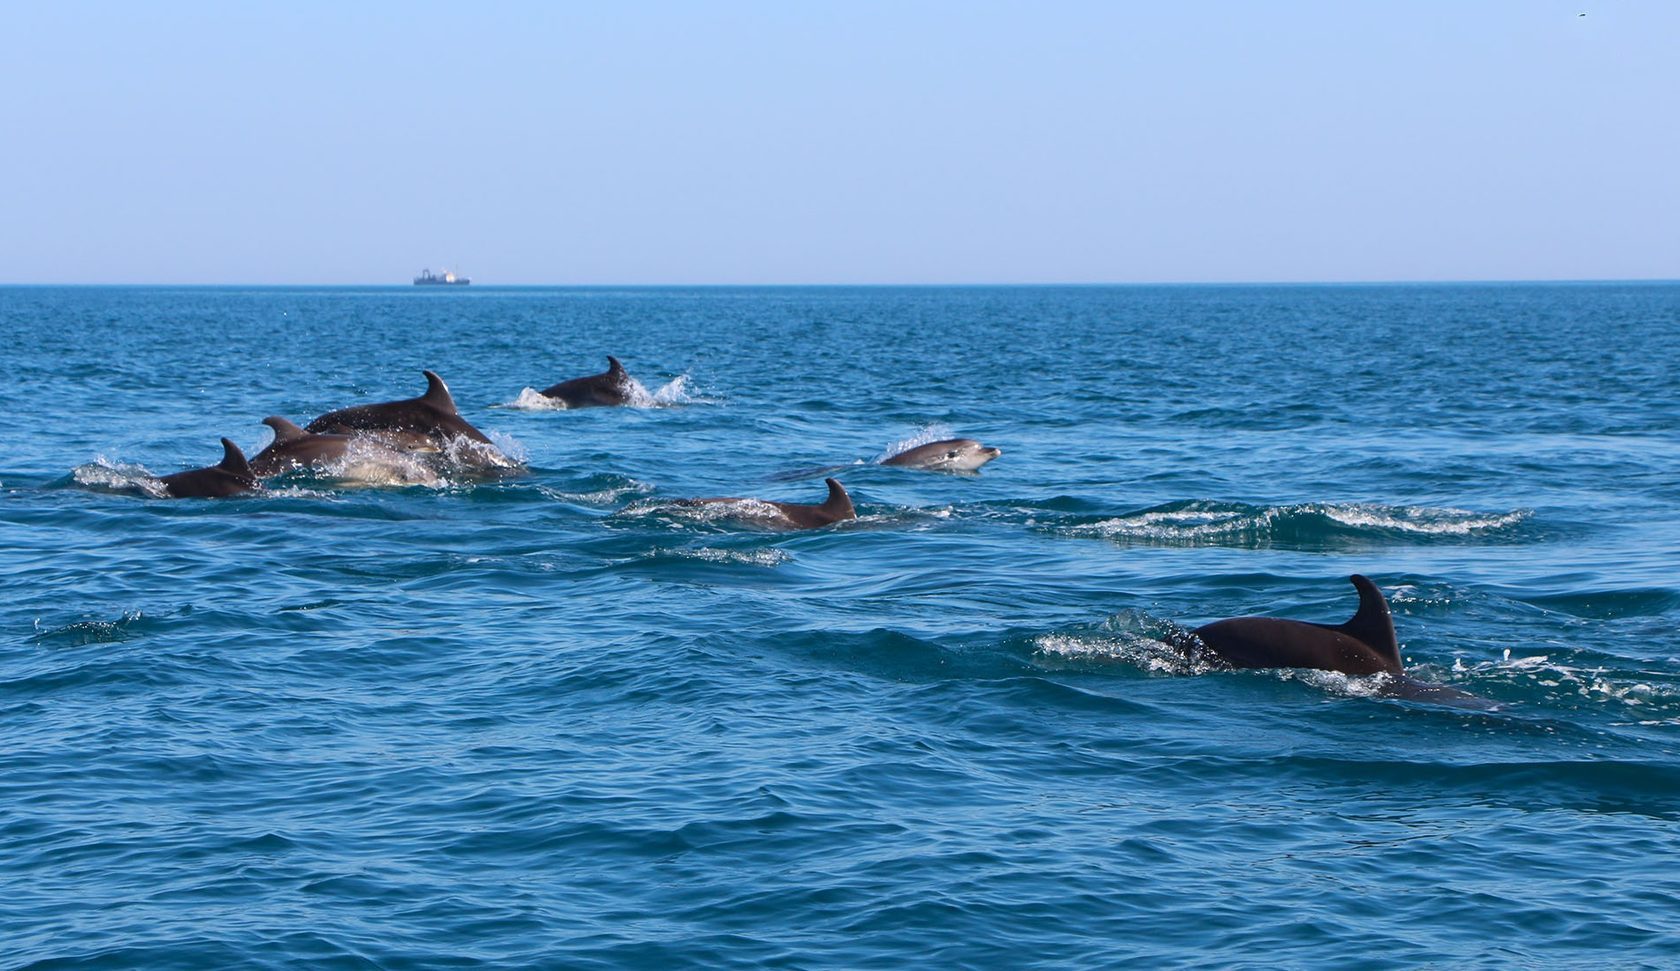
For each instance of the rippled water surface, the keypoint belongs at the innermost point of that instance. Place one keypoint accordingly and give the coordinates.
(556, 719)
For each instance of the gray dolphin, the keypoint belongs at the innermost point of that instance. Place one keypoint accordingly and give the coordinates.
(230, 477)
(424, 423)
(837, 507)
(947, 455)
(1364, 645)
(296, 448)
(611, 387)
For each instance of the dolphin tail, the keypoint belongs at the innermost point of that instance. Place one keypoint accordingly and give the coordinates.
(1372, 623)
(284, 431)
(437, 394)
(838, 503)
(233, 460)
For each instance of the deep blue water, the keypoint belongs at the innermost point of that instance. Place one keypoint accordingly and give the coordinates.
(550, 720)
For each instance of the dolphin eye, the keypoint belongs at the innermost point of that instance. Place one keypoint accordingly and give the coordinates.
(951, 454)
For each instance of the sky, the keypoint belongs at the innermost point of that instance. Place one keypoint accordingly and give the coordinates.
(776, 142)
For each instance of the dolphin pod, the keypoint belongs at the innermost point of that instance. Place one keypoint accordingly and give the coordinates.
(611, 387)
(1363, 645)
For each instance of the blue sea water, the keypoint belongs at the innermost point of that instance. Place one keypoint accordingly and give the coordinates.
(552, 720)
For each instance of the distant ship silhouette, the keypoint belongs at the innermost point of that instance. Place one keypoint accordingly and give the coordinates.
(447, 278)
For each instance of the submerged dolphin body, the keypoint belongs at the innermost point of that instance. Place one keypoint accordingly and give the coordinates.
(611, 387)
(230, 477)
(426, 423)
(1364, 645)
(296, 448)
(946, 455)
(837, 507)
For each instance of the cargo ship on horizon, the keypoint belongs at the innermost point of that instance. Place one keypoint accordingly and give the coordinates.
(447, 278)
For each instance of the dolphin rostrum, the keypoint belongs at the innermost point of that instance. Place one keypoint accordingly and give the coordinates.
(230, 477)
(837, 507)
(424, 423)
(295, 448)
(611, 387)
(1364, 645)
(947, 455)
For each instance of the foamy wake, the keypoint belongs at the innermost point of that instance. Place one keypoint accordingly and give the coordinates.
(607, 496)
(1592, 685)
(673, 392)
(730, 510)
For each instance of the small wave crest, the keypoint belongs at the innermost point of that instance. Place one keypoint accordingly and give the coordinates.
(768, 557)
(85, 632)
(1207, 523)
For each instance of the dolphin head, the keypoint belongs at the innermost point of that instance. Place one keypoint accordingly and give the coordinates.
(964, 455)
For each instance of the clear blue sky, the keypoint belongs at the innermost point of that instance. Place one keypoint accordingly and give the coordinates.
(846, 142)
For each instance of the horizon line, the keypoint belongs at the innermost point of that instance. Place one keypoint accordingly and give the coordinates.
(455, 288)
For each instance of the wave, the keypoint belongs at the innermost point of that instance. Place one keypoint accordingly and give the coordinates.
(1201, 522)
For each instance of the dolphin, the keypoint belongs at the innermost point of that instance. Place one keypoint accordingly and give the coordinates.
(611, 387)
(948, 455)
(230, 477)
(426, 423)
(295, 448)
(1364, 645)
(837, 507)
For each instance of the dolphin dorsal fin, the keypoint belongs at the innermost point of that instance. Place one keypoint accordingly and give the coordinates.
(437, 394)
(233, 460)
(1372, 624)
(838, 502)
(284, 431)
(613, 367)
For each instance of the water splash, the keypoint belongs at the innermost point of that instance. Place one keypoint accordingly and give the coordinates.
(106, 475)
(931, 432)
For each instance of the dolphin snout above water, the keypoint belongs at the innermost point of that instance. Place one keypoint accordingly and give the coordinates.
(947, 455)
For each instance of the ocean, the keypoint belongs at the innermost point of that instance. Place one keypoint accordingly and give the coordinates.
(554, 719)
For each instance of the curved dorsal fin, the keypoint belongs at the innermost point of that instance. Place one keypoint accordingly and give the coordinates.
(838, 502)
(613, 367)
(1372, 624)
(233, 460)
(284, 431)
(437, 394)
